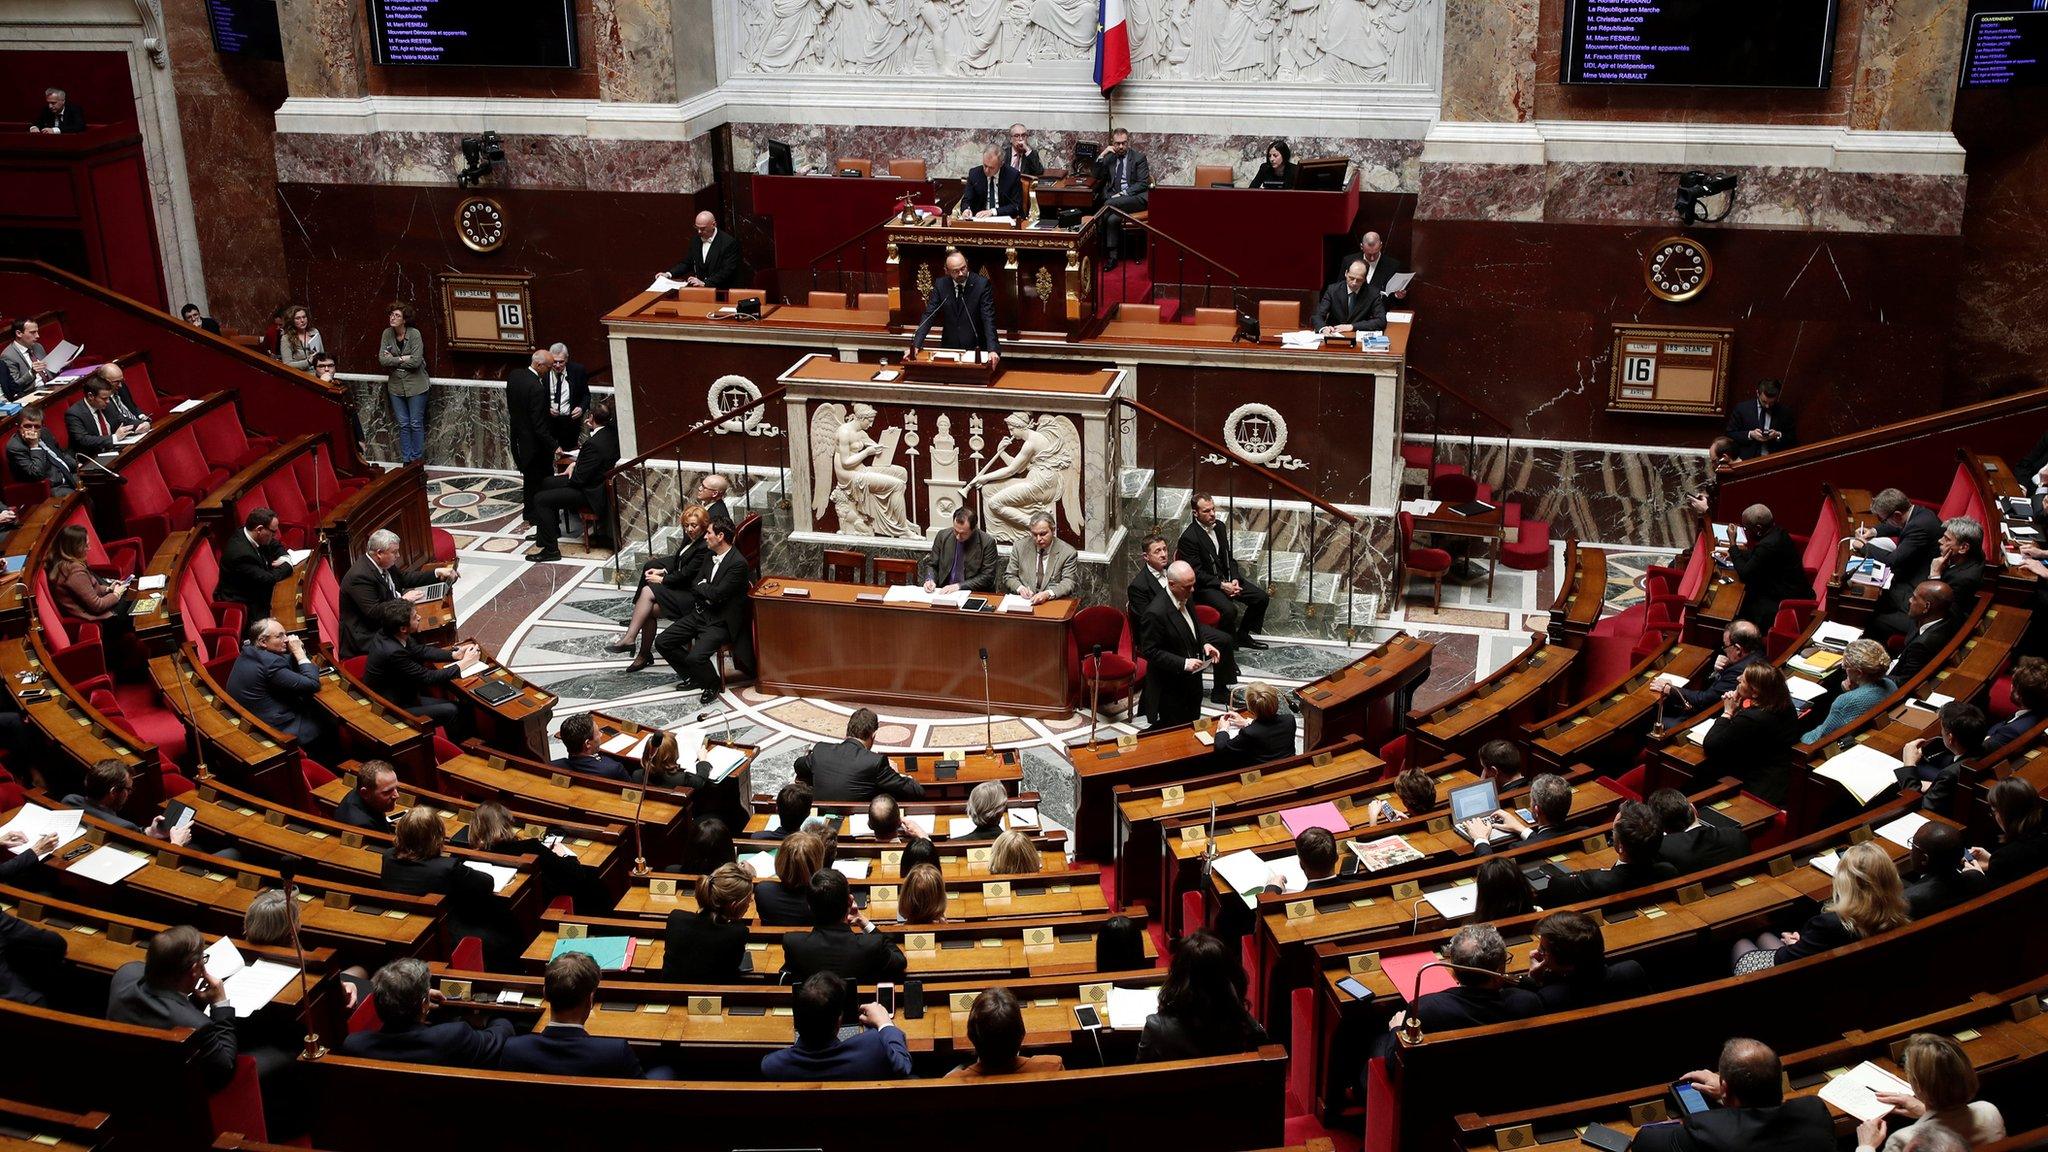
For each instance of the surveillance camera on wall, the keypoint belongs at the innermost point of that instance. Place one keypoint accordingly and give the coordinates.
(1703, 198)
(482, 155)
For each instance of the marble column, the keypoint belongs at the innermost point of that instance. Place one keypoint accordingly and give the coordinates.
(634, 50)
(322, 55)
(1906, 65)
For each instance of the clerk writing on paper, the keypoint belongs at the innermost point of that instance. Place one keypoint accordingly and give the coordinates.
(1044, 570)
(994, 189)
(1351, 306)
(964, 557)
(965, 306)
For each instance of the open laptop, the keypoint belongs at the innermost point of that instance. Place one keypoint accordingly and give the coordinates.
(1475, 801)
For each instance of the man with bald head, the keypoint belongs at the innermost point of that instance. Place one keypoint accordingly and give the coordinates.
(1931, 607)
(1768, 563)
(1350, 306)
(1379, 267)
(964, 307)
(1751, 1112)
(1179, 648)
(994, 189)
(713, 261)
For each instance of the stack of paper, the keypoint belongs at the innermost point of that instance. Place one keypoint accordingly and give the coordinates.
(858, 824)
(1698, 732)
(1024, 818)
(59, 358)
(186, 406)
(1836, 636)
(1015, 603)
(954, 599)
(250, 984)
(1671, 678)
(500, 874)
(150, 583)
(1292, 878)
(724, 761)
(1816, 663)
(906, 594)
(1901, 831)
(625, 744)
(1863, 770)
(1007, 221)
(475, 667)
(1400, 317)
(297, 556)
(1421, 507)
(851, 869)
(108, 865)
(1855, 1091)
(663, 283)
(762, 863)
(1302, 340)
(1804, 690)
(1399, 282)
(35, 821)
(1245, 872)
(1827, 862)
(1129, 1007)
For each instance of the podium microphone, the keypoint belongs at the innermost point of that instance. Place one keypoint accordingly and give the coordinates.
(1094, 697)
(988, 710)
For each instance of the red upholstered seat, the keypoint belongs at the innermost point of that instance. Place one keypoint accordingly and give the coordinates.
(1789, 625)
(225, 441)
(280, 492)
(74, 644)
(1431, 564)
(1204, 614)
(111, 558)
(364, 1018)
(467, 955)
(238, 1105)
(1530, 551)
(184, 465)
(1121, 670)
(1394, 755)
(142, 388)
(147, 505)
(318, 481)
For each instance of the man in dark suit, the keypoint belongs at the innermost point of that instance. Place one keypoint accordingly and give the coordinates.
(121, 405)
(373, 580)
(1483, 993)
(841, 941)
(1020, 157)
(1906, 538)
(252, 563)
(59, 114)
(2029, 696)
(1268, 735)
(580, 487)
(1147, 585)
(568, 385)
(1123, 180)
(1762, 426)
(1568, 968)
(792, 808)
(579, 743)
(400, 666)
(1770, 567)
(965, 306)
(1220, 581)
(403, 1003)
(31, 455)
(713, 261)
(877, 1052)
(711, 490)
(964, 557)
(1957, 561)
(564, 1048)
(718, 615)
(1637, 840)
(170, 988)
(1933, 765)
(1752, 1114)
(1935, 877)
(1350, 305)
(1380, 268)
(1931, 608)
(31, 956)
(91, 426)
(374, 798)
(193, 316)
(532, 431)
(851, 769)
(1690, 843)
(1178, 648)
(275, 681)
(994, 189)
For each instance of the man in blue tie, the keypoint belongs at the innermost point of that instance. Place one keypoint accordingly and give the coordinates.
(965, 305)
(1123, 180)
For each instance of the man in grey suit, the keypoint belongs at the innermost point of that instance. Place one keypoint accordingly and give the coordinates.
(963, 558)
(851, 769)
(1123, 180)
(160, 991)
(1044, 569)
(23, 359)
(276, 682)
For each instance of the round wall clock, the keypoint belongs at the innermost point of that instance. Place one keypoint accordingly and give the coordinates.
(481, 222)
(1678, 269)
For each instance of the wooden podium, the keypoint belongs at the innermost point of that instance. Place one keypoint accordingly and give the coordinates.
(1043, 277)
(945, 366)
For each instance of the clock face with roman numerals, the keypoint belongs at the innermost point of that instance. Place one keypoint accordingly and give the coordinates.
(481, 221)
(1678, 269)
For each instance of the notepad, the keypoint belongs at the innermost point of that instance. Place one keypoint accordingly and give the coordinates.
(1828, 862)
(1324, 815)
(953, 599)
(1901, 831)
(1421, 507)
(1863, 770)
(297, 556)
(1671, 678)
(1855, 1091)
(1015, 603)
(1244, 871)
(612, 953)
(858, 824)
(500, 874)
(108, 865)
(1024, 818)
(724, 760)
(1804, 690)
(473, 668)
(1128, 1008)
(852, 869)
(250, 984)
(1698, 732)
(625, 744)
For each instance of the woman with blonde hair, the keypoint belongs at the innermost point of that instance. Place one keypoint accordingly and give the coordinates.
(1944, 1097)
(665, 583)
(300, 341)
(1013, 853)
(786, 899)
(1864, 664)
(709, 945)
(923, 900)
(1869, 899)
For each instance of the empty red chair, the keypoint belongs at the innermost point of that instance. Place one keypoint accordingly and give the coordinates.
(224, 440)
(147, 505)
(1432, 564)
(1788, 626)
(326, 596)
(184, 465)
(296, 522)
(1121, 671)
(142, 388)
(202, 574)
(320, 484)
(1394, 757)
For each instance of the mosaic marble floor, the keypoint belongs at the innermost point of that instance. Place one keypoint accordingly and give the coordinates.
(551, 621)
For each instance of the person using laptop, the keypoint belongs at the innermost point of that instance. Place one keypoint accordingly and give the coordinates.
(1550, 802)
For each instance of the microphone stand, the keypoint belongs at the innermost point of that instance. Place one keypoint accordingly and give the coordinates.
(639, 848)
(314, 1050)
(988, 710)
(191, 721)
(1411, 1026)
(1094, 698)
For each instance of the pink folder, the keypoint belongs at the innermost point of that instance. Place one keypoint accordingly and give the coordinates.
(1401, 970)
(1324, 815)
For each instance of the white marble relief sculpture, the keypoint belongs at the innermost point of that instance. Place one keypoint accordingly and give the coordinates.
(855, 474)
(1036, 468)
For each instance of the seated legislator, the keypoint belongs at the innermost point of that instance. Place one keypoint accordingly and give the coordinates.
(886, 824)
(1637, 838)
(1123, 181)
(709, 945)
(1742, 644)
(82, 594)
(1690, 843)
(2022, 834)
(1013, 854)
(578, 734)
(1752, 739)
(109, 785)
(31, 956)
(1761, 426)
(562, 873)
(665, 583)
(1201, 1006)
(923, 899)
(1905, 537)
(404, 1000)
(841, 939)
(1864, 684)
(1550, 802)
(713, 261)
(718, 615)
(1220, 580)
(1020, 157)
(1415, 790)
(1569, 967)
(963, 557)
(792, 808)
(93, 427)
(372, 801)
(877, 1052)
(965, 306)
(1007, 197)
(374, 579)
(170, 988)
(2029, 696)
(1045, 568)
(1751, 1113)
(1147, 584)
(1278, 171)
(1931, 608)
(276, 682)
(1350, 306)
(400, 666)
(23, 358)
(580, 485)
(1943, 1101)
(852, 769)
(31, 455)
(1769, 565)
(986, 806)
(1316, 851)
(995, 1026)
(1483, 994)
(1267, 735)
(1868, 898)
(1501, 762)
(1178, 648)
(564, 1048)
(1934, 874)
(59, 114)
(1501, 891)
(418, 866)
(785, 902)
(252, 562)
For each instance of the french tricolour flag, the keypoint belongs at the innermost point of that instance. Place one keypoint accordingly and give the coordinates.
(1112, 45)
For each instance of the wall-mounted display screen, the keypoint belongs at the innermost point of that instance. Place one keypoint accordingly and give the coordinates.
(474, 33)
(244, 28)
(1700, 43)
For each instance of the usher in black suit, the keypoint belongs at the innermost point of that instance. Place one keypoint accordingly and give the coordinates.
(718, 616)
(533, 435)
(1168, 647)
(1214, 563)
(717, 266)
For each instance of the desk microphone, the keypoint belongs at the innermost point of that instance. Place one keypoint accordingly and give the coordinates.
(1094, 697)
(988, 714)
(1411, 1028)
(287, 875)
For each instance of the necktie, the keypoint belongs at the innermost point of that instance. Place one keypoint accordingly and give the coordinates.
(1040, 586)
(561, 392)
(100, 415)
(959, 554)
(1119, 175)
(62, 468)
(388, 581)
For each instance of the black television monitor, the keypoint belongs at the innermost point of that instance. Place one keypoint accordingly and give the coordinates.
(781, 162)
(473, 33)
(244, 28)
(1700, 43)
(2005, 47)
(1322, 173)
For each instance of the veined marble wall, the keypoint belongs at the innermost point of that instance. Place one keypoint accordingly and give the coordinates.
(578, 163)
